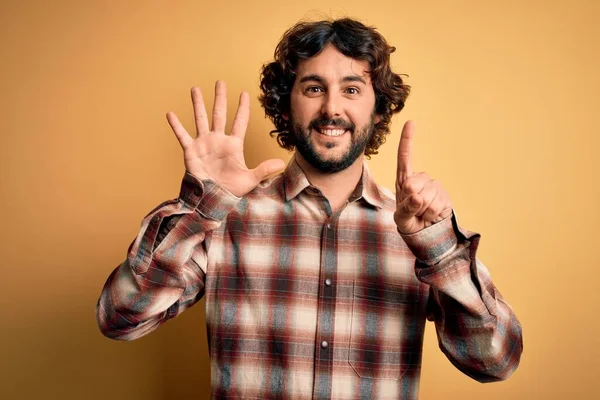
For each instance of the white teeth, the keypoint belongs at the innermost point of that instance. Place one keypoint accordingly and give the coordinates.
(333, 132)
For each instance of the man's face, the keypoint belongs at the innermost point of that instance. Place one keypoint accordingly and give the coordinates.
(332, 110)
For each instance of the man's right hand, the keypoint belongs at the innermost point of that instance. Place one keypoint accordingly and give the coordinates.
(214, 155)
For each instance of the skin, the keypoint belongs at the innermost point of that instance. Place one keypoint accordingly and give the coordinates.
(328, 85)
(214, 155)
(333, 86)
(420, 200)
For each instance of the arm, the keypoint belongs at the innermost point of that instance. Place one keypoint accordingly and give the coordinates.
(166, 264)
(164, 271)
(477, 329)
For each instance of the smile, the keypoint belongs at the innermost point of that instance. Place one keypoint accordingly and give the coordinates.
(331, 132)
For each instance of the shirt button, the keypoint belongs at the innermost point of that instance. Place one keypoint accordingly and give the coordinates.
(171, 224)
(327, 282)
(329, 225)
(156, 218)
(324, 344)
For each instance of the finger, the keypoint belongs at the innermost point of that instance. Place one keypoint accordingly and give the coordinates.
(267, 168)
(447, 205)
(432, 213)
(219, 115)
(405, 152)
(240, 123)
(406, 211)
(182, 136)
(446, 212)
(429, 194)
(414, 184)
(200, 115)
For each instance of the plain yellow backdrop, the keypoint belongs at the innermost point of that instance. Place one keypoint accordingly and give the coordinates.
(505, 98)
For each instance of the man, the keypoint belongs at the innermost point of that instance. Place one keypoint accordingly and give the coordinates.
(318, 282)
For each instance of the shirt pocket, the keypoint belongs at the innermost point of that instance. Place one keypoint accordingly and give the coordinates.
(384, 330)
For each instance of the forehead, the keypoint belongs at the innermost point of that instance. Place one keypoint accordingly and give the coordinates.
(331, 65)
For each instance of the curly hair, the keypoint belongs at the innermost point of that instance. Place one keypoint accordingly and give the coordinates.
(351, 38)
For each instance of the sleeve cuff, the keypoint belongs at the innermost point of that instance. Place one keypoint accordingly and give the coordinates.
(432, 244)
(209, 199)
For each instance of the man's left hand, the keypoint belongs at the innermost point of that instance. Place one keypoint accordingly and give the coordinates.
(420, 200)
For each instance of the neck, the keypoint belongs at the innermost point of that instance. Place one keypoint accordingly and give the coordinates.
(335, 186)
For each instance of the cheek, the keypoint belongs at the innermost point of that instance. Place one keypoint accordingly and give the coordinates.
(360, 120)
(361, 116)
(303, 110)
(296, 108)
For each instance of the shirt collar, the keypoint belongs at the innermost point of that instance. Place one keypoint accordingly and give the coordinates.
(295, 181)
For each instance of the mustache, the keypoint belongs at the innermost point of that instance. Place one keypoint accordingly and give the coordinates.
(335, 122)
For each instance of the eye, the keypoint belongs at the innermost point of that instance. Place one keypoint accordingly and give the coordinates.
(314, 89)
(352, 90)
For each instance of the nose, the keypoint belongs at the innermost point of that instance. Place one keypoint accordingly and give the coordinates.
(331, 105)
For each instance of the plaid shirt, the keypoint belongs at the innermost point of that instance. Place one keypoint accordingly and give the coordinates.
(306, 303)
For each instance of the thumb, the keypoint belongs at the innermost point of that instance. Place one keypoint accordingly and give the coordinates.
(406, 211)
(409, 206)
(267, 168)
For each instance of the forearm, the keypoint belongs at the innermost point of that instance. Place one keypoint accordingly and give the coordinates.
(476, 328)
(131, 305)
(165, 267)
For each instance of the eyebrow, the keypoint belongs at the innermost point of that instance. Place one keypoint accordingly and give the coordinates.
(319, 79)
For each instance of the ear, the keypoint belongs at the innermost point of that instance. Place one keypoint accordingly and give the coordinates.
(377, 118)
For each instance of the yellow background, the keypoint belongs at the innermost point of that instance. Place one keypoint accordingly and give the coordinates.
(505, 99)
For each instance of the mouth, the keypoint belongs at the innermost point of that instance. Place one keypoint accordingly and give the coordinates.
(331, 131)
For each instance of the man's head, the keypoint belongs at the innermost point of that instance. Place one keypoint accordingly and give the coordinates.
(330, 91)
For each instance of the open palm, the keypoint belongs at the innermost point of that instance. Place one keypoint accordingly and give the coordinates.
(214, 155)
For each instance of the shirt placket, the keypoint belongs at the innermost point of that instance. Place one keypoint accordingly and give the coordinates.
(325, 314)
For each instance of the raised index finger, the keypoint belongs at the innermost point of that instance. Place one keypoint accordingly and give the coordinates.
(405, 152)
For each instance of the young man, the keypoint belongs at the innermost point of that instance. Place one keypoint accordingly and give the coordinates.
(318, 282)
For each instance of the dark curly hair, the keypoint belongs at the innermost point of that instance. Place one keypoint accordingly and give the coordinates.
(353, 39)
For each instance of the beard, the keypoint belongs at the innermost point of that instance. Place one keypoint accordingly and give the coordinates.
(358, 143)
